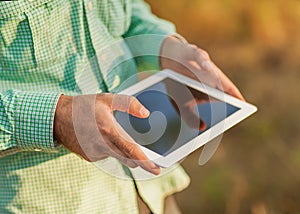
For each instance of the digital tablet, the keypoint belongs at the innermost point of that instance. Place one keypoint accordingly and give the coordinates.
(184, 115)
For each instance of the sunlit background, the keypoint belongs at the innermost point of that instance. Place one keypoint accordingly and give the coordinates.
(257, 44)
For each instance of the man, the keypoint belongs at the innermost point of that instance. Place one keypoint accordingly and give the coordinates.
(52, 50)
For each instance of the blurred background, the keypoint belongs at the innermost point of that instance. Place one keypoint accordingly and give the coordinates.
(256, 169)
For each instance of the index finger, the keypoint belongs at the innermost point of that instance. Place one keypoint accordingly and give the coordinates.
(229, 87)
(222, 81)
(192, 119)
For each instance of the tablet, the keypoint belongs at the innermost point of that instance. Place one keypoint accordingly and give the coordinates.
(184, 115)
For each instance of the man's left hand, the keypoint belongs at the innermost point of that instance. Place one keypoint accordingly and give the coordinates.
(194, 62)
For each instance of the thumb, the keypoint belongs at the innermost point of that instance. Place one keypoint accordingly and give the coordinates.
(129, 104)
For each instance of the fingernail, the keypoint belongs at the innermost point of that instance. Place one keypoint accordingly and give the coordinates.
(202, 126)
(144, 112)
(153, 165)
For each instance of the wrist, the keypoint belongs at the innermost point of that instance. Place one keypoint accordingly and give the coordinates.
(63, 107)
(171, 50)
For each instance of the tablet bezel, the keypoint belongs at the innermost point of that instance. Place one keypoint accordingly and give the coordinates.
(245, 110)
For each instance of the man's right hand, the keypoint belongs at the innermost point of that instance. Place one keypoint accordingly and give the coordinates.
(86, 126)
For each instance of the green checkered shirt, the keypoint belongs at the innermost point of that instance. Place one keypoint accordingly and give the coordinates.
(50, 47)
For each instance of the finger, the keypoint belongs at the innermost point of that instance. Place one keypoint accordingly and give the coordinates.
(213, 76)
(131, 150)
(219, 80)
(141, 159)
(200, 54)
(202, 58)
(187, 112)
(116, 153)
(192, 119)
(202, 75)
(129, 104)
(228, 86)
(194, 53)
(235, 92)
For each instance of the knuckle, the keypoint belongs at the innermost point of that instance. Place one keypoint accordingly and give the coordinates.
(193, 46)
(123, 101)
(103, 96)
(203, 53)
(132, 99)
(104, 99)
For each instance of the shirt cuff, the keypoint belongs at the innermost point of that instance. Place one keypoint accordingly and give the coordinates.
(34, 120)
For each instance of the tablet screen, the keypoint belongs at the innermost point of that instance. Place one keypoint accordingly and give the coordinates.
(178, 113)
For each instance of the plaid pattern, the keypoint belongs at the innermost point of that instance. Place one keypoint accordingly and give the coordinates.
(33, 114)
(50, 47)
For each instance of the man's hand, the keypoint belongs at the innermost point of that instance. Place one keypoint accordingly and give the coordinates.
(86, 126)
(194, 62)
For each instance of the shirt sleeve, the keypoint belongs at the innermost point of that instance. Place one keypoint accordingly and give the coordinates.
(26, 121)
(146, 34)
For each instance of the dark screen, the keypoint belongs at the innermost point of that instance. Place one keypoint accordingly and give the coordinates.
(178, 114)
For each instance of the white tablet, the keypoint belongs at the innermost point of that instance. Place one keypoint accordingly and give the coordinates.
(185, 115)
